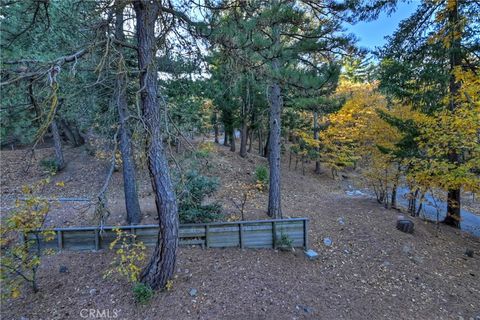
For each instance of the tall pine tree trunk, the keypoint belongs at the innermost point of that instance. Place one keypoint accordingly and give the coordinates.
(161, 266)
(250, 140)
(215, 126)
(134, 214)
(266, 150)
(274, 191)
(232, 140)
(453, 197)
(260, 141)
(243, 139)
(57, 141)
(225, 136)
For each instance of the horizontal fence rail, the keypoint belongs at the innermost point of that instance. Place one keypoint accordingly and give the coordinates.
(243, 234)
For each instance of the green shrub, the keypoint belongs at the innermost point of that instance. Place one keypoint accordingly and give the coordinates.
(196, 188)
(49, 165)
(142, 293)
(261, 177)
(285, 242)
(205, 149)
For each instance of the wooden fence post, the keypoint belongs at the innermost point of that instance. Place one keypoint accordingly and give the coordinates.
(97, 240)
(274, 235)
(132, 231)
(207, 244)
(305, 234)
(240, 229)
(60, 240)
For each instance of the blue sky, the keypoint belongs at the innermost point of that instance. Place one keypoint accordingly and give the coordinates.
(372, 34)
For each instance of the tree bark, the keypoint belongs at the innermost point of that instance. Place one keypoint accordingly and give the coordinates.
(134, 214)
(274, 191)
(225, 136)
(243, 139)
(453, 198)
(57, 141)
(250, 137)
(393, 198)
(78, 136)
(232, 140)
(260, 142)
(266, 150)
(33, 101)
(161, 266)
(215, 126)
(67, 132)
(315, 136)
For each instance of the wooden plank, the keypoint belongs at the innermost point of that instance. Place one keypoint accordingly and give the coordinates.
(193, 242)
(181, 226)
(245, 234)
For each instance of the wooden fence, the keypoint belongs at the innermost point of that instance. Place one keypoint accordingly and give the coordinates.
(243, 234)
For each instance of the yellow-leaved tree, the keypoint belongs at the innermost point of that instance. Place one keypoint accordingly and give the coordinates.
(449, 131)
(20, 242)
(358, 136)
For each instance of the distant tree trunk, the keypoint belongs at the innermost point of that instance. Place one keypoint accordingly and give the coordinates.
(393, 202)
(250, 137)
(412, 202)
(274, 190)
(232, 140)
(243, 139)
(266, 150)
(225, 136)
(70, 131)
(67, 132)
(315, 136)
(76, 134)
(260, 142)
(134, 214)
(33, 101)
(453, 198)
(161, 266)
(57, 141)
(215, 126)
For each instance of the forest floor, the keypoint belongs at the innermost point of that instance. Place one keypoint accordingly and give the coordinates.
(371, 271)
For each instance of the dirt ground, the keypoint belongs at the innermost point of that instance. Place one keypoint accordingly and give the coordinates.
(372, 271)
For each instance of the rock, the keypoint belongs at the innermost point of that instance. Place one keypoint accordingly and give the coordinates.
(405, 225)
(418, 259)
(355, 193)
(93, 292)
(386, 264)
(469, 253)
(63, 269)
(305, 309)
(407, 249)
(311, 255)
(327, 241)
(193, 292)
